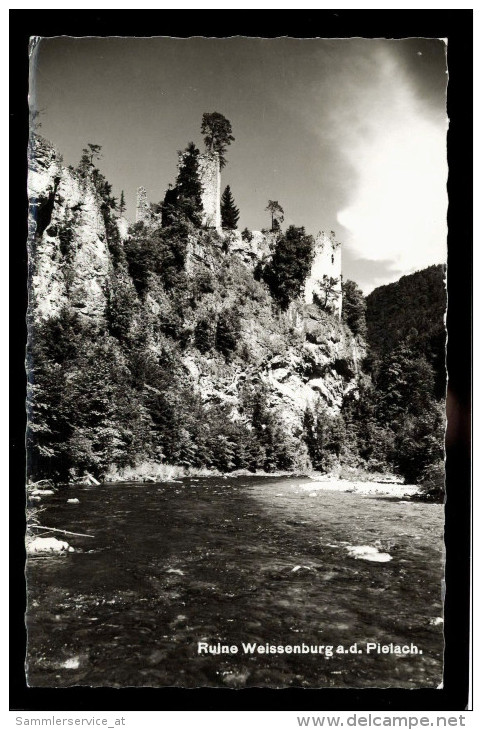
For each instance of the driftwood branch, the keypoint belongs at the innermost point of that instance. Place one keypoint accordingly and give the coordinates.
(55, 529)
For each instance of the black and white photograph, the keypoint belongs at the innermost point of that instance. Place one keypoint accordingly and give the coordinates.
(236, 362)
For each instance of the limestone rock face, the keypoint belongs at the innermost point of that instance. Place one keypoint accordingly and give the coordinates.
(320, 368)
(69, 258)
(250, 250)
(316, 366)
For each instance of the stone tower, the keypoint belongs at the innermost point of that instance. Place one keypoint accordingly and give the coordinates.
(326, 265)
(210, 176)
(142, 207)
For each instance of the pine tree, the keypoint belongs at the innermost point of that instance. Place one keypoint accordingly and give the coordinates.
(217, 134)
(229, 212)
(122, 204)
(328, 291)
(189, 186)
(277, 214)
(89, 154)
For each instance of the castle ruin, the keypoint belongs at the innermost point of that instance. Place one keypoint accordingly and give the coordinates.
(143, 208)
(324, 282)
(210, 176)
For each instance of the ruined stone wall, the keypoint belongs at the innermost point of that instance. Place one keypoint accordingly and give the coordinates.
(210, 176)
(326, 265)
(142, 206)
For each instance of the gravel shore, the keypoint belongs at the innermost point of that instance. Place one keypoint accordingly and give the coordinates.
(344, 485)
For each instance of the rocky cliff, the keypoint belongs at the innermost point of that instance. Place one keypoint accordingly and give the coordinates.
(69, 259)
(193, 296)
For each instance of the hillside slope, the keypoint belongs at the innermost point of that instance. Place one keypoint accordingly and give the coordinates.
(412, 307)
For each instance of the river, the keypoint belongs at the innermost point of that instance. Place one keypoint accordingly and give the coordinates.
(235, 560)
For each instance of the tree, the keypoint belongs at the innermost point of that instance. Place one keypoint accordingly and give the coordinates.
(121, 306)
(324, 436)
(217, 133)
(327, 292)
(87, 170)
(419, 444)
(354, 308)
(404, 386)
(122, 203)
(89, 154)
(94, 152)
(83, 412)
(285, 274)
(277, 214)
(415, 304)
(229, 212)
(169, 207)
(366, 438)
(188, 185)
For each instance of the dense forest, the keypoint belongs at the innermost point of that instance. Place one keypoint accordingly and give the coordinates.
(194, 359)
(412, 310)
(406, 340)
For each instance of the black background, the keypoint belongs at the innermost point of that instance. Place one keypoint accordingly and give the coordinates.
(456, 26)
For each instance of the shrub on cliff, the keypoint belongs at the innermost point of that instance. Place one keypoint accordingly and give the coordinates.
(228, 331)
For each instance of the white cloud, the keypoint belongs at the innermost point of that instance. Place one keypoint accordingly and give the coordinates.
(398, 152)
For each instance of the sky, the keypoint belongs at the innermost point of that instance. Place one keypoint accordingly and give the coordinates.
(348, 135)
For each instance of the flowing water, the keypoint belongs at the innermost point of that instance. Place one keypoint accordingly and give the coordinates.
(235, 560)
